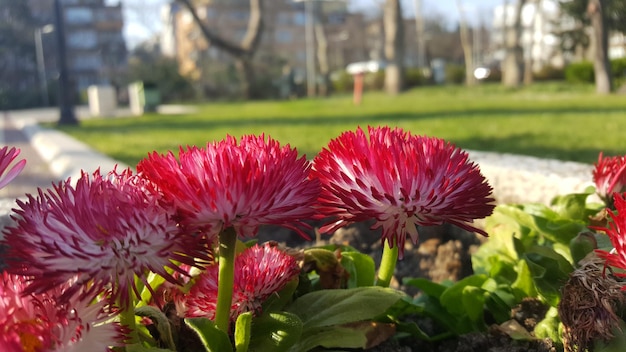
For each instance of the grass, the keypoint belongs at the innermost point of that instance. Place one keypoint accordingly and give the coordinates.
(545, 120)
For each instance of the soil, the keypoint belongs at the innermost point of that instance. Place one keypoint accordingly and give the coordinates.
(443, 253)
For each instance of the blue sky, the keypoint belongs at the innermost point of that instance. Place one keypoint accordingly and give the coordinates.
(142, 16)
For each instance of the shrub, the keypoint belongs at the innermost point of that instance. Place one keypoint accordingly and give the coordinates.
(455, 74)
(618, 70)
(549, 73)
(342, 82)
(580, 72)
(414, 77)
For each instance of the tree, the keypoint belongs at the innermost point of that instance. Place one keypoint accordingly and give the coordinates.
(394, 46)
(17, 56)
(322, 50)
(601, 65)
(243, 53)
(151, 67)
(513, 64)
(603, 16)
(467, 46)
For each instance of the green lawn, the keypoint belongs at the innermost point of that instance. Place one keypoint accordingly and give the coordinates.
(547, 120)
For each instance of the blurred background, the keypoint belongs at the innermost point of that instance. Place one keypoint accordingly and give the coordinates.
(199, 50)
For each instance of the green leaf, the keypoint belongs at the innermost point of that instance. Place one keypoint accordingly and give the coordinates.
(361, 268)
(161, 322)
(427, 286)
(581, 245)
(335, 307)
(329, 337)
(432, 308)
(572, 206)
(275, 332)
(137, 347)
(473, 299)
(242, 332)
(213, 339)
(452, 297)
(524, 286)
(361, 335)
(278, 300)
(548, 327)
(498, 305)
(550, 272)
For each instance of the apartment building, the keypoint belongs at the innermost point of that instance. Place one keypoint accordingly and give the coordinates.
(96, 50)
(283, 41)
(542, 20)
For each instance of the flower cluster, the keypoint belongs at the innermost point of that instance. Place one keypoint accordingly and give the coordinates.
(401, 181)
(106, 230)
(38, 322)
(243, 185)
(79, 253)
(260, 271)
(7, 157)
(609, 176)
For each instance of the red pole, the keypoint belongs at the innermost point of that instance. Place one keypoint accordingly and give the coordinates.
(358, 88)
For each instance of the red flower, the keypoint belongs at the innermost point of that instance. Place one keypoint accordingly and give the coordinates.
(617, 233)
(30, 322)
(609, 175)
(241, 185)
(260, 271)
(402, 181)
(6, 158)
(105, 231)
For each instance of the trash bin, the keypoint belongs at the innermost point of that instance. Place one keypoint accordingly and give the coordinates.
(143, 97)
(102, 100)
(152, 96)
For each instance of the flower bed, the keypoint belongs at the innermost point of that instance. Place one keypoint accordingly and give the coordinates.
(167, 258)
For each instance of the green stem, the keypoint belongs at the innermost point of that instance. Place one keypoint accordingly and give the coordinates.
(228, 242)
(127, 318)
(387, 265)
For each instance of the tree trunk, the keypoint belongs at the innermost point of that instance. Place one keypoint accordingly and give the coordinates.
(242, 53)
(394, 47)
(529, 60)
(470, 80)
(513, 64)
(596, 10)
(322, 53)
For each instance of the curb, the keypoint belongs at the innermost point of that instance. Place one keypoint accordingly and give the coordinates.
(66, 156)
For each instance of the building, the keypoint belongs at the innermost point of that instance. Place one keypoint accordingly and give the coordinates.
(96, 50)
(283, 43)
(541, 21)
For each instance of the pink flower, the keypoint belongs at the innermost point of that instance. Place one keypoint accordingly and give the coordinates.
(241, 185)
(609, 175)
(105, 231)
(6, 158)
(30, 322)
(401, 181)
(260, 271)
(617, 233)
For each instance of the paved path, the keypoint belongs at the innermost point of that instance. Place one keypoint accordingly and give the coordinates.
(36, 173)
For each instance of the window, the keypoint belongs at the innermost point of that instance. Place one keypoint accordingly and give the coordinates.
(239, 15)
(78, 15)
(299, 18)
(283, 37)
(86, 39)
(283, 18)
(87, 62)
